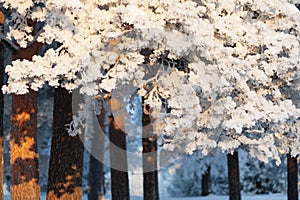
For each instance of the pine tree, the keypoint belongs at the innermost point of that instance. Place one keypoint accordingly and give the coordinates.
(118, 155)
(66, 159)
(23, 140)
(96, 188)
(233, 176)
(149, 158)
(262, 178)
(292, 177)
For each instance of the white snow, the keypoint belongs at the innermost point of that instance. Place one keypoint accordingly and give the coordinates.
(218, 197)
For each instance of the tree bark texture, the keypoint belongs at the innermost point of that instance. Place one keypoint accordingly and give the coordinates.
(118, 155)
(233, 176)
(23, 141)
(149, 158)
(66, 159)
(23, 148)
(205, 182)
(96, 188)
(292, 177)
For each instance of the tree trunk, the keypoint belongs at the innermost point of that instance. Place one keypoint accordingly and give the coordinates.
(205, 182)
(233, 176)
(23, 144)
(23, 148)
(1, 112)
(118, 156)
(292, 177)
(66, 159)
(96, 179)
(149, 158)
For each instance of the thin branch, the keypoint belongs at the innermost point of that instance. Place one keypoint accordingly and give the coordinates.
(35, 37)
(9, 42)
(16, 47)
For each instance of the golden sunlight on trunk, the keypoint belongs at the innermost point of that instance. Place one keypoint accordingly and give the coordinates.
(23, 148)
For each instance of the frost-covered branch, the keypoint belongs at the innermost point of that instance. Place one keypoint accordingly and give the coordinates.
(242, 70)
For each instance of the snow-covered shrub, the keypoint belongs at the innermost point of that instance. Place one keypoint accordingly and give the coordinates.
(186, 175)
(263, 178)
(219, 173)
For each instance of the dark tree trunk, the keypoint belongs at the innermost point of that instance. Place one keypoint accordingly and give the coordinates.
(292, 177)
(149, 158)
(233, 176)
(96, 188)
(118, 156)
(1, 112)
(23, 148)
(205, 182)
(66, 159)
(23, 141)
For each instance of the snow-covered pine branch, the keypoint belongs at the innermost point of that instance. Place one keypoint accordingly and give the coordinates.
(242, 60)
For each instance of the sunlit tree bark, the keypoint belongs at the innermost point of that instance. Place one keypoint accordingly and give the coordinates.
(23, 148)
(66, 159)
(118, 155)
(23, 140)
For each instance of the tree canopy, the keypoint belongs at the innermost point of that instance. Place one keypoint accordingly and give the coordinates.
(216, 74)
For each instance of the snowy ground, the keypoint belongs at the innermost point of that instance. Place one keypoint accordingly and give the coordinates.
(211, 197)
(215, 197)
